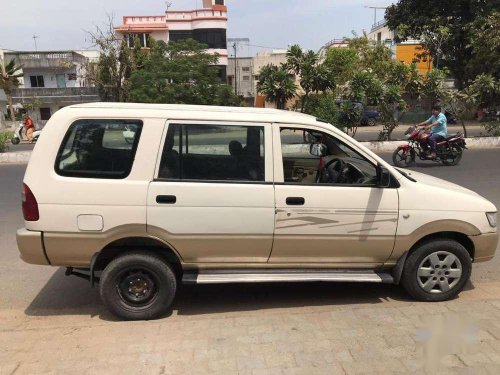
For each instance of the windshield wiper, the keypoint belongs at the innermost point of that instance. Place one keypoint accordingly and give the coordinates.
(406, 175)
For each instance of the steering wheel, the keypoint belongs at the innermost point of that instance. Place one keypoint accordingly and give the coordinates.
(333, 175)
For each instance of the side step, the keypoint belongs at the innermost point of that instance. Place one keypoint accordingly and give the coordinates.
(278, 276)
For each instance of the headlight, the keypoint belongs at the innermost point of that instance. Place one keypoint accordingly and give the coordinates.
(492, 218)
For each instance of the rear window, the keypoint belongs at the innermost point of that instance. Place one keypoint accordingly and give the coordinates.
(99, 149)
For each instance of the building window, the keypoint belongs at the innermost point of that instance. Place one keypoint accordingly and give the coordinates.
(214, 38)
(379, 37)
(246, 78)
(143, 39)
(37, 81)
(45, 114)
(219, 2)
(245, 68)
(72, 77)
(256, 77)
(175, 35)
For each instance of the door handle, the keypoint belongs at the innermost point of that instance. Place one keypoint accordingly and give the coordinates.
(295, 201)
(166, 199)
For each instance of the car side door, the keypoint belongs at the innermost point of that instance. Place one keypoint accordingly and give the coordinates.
(344, 221)
(212, 198)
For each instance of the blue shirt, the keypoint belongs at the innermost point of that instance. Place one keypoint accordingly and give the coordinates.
(442, 127)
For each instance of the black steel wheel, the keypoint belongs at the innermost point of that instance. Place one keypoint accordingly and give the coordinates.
(138, 286)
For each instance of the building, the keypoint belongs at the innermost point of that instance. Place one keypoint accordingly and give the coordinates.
(52, 80)
(241, 76)
(207, 25)
(410, 51)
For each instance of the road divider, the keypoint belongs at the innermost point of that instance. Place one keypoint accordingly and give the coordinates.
(22, 157)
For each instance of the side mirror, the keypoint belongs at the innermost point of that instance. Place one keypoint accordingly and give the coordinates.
(383, 177)
(318, 149)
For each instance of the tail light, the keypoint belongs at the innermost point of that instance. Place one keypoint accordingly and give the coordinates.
(30, 205)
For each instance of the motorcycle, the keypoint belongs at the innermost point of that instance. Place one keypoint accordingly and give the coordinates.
(449, 151)
(20, 135)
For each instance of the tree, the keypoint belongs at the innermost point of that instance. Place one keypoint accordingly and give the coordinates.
(9, 80)
(116, 63)
(485, 45)
(179, 72)
(314, 76)
(342, 63)
(276, 84)
(445, 28)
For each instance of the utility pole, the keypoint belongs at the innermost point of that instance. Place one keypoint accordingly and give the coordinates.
(35, 37)
(235, 44)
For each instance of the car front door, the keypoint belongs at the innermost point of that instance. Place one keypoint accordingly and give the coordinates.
(213, 198)
(328, 208)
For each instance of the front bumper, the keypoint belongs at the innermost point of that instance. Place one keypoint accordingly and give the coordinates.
(30, 245)
(485, 245)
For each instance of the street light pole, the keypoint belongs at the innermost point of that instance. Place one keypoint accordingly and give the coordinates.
(35, 37)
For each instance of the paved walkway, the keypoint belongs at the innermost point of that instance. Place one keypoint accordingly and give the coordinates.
(266, 329)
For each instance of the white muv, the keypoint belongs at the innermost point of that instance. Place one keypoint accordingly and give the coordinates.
(140, 197)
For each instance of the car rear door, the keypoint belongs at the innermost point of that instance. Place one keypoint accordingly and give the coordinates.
(212, 198)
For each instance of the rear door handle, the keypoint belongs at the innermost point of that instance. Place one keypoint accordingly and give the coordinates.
(295, 201)
(166, 199)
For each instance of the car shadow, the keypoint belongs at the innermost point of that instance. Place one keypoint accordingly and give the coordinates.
(63, 295)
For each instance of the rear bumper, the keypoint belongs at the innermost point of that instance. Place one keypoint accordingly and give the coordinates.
(485, 245)
(30, 245)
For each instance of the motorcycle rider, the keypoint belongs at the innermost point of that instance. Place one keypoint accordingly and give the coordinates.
(29, 127)
(438, 126)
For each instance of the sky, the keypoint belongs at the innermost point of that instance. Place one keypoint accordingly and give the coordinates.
(62, 24)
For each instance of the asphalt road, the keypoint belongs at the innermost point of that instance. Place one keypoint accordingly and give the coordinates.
(37, 288)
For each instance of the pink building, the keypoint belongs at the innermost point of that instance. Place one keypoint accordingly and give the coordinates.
(207, 25)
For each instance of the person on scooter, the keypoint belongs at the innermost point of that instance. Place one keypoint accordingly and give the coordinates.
(439, 128)
(29, 127)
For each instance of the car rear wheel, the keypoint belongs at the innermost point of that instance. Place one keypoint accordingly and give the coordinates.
(372, 121)
(138, 286)
(437, 270)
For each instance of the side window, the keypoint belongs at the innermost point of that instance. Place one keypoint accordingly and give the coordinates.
(311, 157)
(213, 152)
(99, 149)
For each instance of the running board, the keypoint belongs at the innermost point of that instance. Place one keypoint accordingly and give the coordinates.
(278, 276)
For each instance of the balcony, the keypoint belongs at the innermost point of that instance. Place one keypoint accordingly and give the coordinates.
(379, 24)
(36, 60)
(195, 14)
(67, 95)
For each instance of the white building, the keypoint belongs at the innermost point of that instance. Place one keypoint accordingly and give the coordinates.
(52, 80)
(207, 25)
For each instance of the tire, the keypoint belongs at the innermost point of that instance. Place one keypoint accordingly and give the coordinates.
(454, 161)
(15, 141)
(371, 121)
(403, 159)
(138, 286)
(426, 282)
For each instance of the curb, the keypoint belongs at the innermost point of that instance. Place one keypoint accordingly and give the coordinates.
(22, 157)
(472, 143)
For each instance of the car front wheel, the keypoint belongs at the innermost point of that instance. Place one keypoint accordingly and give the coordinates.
(437, 270)
(138, 286)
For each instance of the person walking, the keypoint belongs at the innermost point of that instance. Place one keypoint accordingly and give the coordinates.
(29, 127)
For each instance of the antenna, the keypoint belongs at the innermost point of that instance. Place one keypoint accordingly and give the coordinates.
(35, 37)
(235, 44)
(374, 12)
(168, 4)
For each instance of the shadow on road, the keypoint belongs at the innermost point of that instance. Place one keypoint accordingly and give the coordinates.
(63, 295)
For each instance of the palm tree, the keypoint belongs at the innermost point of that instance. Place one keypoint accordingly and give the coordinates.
(9, 80)
(276, 84)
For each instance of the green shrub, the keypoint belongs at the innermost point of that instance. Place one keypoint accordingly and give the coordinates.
(5, 137)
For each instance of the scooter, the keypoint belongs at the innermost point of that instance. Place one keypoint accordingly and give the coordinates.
(20, 135)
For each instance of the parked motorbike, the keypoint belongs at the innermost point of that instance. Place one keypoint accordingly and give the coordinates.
(20, 135)
(448, 152)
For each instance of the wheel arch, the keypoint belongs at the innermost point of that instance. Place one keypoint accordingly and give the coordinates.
(137, 243)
